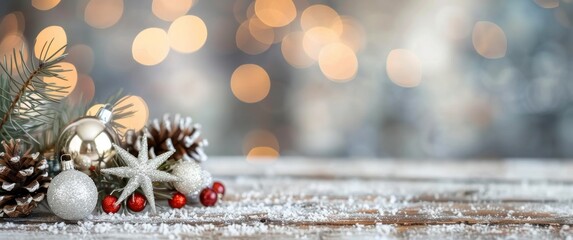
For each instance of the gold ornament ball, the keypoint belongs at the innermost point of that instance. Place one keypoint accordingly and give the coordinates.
(88, 141)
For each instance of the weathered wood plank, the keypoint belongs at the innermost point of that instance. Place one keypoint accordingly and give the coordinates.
(332, 205)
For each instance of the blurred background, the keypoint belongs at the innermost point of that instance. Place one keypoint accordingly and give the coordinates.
(368, 78)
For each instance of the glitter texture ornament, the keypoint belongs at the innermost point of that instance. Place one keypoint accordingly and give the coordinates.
(72, 194)
(190, 173)
(88, 141)
(141, 172)
(178, 200)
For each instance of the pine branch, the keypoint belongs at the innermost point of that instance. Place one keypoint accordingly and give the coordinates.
(17, 97)
(26, 101)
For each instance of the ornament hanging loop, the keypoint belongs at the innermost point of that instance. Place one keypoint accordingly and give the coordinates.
(67, 163)
(104, 114)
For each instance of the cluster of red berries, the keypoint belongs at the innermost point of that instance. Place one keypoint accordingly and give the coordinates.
(137, 201)
(209, 196)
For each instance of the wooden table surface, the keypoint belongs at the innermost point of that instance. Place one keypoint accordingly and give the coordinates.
(341, 198)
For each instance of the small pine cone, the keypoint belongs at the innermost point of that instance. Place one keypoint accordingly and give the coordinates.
(24, 178)
(178, 134)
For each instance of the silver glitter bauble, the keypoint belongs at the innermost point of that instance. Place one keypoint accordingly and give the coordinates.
(88, 141)
(72, 195)
(191, 176)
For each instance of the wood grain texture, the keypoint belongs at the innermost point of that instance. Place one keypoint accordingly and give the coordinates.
(338, 199)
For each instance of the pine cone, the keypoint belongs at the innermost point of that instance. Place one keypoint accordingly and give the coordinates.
(24, 179)
(178, 134)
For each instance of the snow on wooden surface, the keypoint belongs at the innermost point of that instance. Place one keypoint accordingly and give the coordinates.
(337, 199)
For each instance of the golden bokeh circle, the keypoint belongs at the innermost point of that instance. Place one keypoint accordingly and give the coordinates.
(103, 13)
(69, 81)
(45, 5)
(261, 32)
(150, 47)
(141, 113)
(489, 40)
(169, 10)
(338, 62)
(275, 13)
(250, 83)
(257, 154)
(404, 68)
(293, 51)
(247, 42)
(316, 38)
(54, 35)
(187, 34)
(320, 15)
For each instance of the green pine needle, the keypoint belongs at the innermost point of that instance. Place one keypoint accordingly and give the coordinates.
(27, 103)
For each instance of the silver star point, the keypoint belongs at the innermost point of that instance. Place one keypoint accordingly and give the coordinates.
(141, 172)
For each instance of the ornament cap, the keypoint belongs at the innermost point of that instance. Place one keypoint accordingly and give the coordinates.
(67, 163)
(104, 114)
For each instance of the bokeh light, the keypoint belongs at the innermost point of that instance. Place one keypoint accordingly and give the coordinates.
(240, 9)
(442, 49)
(293, 51)
(338, 62)
(320, 15)
(54, 35)
(260, 138)
(275, 13)
(247, 42)
(45, 4)
(11, 42)
(489, 40)
(169, 10)
(250, 83)
(103, 13)
(404, 68)
(141, 113)
(84, 90)
(316, 38)
(261, 32)
(69, 81)
(82, 56)
(261, 144)
(353, 34)
(136, 121)
(187, 34)
(12, 23)
(257, 154)
(150, 46)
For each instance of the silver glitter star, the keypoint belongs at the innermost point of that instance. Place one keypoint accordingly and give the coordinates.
(141, 172)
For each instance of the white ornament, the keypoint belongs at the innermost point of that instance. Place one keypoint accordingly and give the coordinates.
(191, 176)
(72, 195)
(141, 172)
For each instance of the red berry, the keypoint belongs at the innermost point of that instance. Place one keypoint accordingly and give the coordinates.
(108, 204)
(178, 200)
(219, 188)
(208, 197)
(136, 202)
